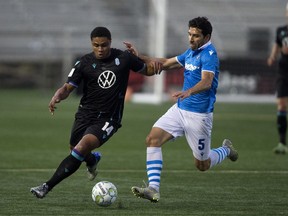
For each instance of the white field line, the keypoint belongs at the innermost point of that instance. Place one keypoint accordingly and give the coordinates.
(285, 172)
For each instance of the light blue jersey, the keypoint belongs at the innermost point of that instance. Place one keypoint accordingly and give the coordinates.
(194, 62)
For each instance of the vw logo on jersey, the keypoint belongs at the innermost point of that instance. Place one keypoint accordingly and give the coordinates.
(106, 79)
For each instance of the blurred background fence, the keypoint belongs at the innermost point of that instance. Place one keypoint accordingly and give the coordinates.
(40, 39)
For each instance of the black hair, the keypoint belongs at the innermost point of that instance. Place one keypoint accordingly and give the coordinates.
(100, 32)
(201, 23)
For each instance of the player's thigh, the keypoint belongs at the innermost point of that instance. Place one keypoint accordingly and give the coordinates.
(198, 128)
(103, 129)
(88, 143)
(78, 129)
(282, 103)
(282, 92)
(167, 127)
(282, 87)
(157, 137)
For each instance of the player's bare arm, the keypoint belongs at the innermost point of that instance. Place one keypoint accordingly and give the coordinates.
(204, 84)
(131, 48)
(152, 68)
(274, 53)
(61, 94)
(169, 63)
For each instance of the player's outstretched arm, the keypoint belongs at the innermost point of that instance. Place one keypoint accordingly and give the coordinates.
(273, 55)
(61, 94)
(130, 48)
(167, 64)
(152, 68)
(153, 65)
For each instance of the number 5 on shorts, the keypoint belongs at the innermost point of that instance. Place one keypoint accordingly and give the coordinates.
(201, 144)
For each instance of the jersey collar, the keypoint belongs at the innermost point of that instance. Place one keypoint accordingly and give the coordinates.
(205, 45)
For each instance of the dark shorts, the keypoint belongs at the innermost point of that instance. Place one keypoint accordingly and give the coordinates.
(282, 78)
(282, 87)
(102, 128)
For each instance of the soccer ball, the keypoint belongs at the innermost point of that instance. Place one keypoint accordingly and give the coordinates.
(104, 193)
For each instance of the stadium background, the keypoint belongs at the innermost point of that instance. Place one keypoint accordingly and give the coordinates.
(40, 40)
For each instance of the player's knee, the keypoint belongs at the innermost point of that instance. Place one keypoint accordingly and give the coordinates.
(202, 168)
(282, 108)
(151, 142)
(148, 140)
(71, 148)
(202, 165)
(282, 105)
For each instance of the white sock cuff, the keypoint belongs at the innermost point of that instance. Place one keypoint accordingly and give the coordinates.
(153, 150)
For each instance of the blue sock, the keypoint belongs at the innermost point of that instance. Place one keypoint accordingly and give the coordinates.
(154, 164)
(218, 155)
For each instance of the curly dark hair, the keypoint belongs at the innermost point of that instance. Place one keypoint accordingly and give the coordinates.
(201, 23)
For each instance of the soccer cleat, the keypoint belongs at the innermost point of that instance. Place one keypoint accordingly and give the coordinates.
(92, 170)
(233, 156)
(280, 149)
(146, 193)
(40, 191)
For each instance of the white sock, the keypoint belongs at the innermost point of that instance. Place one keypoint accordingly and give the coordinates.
(218, 155)
(154, 165)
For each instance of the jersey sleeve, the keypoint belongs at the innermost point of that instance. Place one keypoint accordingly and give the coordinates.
(136, 64)
(75, 75)
(210, 61)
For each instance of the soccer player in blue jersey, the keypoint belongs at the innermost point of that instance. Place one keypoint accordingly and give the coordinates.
(192, 115)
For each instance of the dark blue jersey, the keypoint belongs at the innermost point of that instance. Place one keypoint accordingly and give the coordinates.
(282, 41)
(282, 36)
(104, 82)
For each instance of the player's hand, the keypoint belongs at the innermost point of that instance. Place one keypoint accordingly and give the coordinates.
(131, 48)
(270, 61)
(181, 94)
(153, 67)
(52, 103)
(158, 66)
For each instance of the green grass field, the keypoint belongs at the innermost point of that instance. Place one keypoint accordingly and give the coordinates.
(33, 143)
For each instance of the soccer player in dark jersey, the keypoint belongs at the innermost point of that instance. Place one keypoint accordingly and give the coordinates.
(104, 73)
(281, 47)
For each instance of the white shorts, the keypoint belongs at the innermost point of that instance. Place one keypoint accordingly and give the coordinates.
(196, 127)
